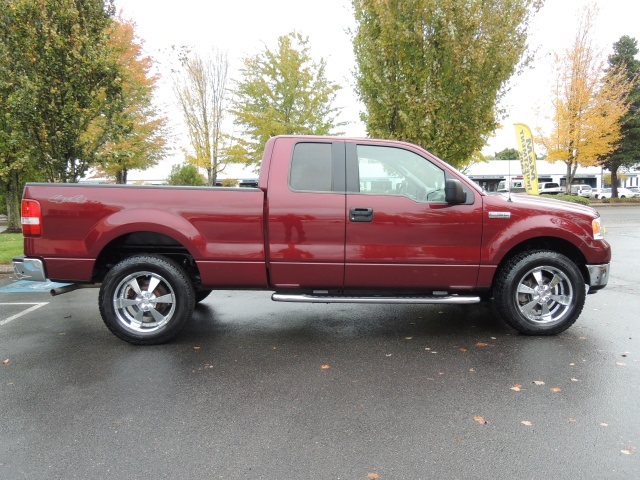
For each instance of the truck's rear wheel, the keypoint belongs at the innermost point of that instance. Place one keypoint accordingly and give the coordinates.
(146, 299)
(539, 293)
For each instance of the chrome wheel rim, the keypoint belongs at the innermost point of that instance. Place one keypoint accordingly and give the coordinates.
(144, 302)
(544, 295)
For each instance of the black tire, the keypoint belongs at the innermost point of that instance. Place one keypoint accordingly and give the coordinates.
(131, 310)
(201, 295)
(539, 292)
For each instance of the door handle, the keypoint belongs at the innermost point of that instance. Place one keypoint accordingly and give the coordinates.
(358, 214)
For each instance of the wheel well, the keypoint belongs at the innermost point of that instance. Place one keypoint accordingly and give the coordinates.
(558, 245)
(144, 242)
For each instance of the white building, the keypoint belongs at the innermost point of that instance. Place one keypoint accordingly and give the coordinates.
(489, 174)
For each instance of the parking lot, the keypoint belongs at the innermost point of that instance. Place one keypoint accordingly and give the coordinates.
(260, 390)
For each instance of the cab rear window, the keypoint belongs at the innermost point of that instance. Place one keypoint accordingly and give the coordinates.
(311, 168)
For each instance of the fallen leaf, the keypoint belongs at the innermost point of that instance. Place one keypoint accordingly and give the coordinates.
(325, 367)
(463, 350)
(621, 364)
(538, 382)
(626, 452)
(472, 369)
(527, 423)
(571, 420)
(196, 348)
(480, 420)
(517, 387)
(4, 362)
(556, 389)
(582, 338)
(373, 475)
(482, 344)
(440, 373)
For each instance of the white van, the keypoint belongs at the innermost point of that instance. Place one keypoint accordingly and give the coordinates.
(581, 190)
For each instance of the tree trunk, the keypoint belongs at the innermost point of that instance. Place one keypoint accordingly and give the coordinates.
(121, 177)
(569, 179)
(13, 203)
(614, 181)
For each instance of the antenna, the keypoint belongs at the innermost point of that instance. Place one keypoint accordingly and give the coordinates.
(509, 183)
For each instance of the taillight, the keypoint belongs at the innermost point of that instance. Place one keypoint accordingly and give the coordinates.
(31, 218)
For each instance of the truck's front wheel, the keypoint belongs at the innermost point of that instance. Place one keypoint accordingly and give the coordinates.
(146, 299)
(539, 293)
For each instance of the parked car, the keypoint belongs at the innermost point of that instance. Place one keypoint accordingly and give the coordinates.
(581, 190)
(550, 188)
(602, 193)
(622, 193)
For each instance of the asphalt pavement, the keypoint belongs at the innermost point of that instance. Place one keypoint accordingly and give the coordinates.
(253, 389)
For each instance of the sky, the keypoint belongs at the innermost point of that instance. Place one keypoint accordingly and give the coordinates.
(244, 27)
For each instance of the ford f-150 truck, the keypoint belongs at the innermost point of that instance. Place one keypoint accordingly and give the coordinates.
(332, 220)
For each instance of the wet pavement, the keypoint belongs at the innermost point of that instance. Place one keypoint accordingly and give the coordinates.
(262, 390)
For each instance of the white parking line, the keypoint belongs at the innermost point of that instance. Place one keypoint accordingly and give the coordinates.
(35, 306)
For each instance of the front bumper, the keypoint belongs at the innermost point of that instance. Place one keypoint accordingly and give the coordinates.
(598, 276)
(29, 269)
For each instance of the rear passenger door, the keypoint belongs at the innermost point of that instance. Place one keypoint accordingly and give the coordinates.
(306, 214)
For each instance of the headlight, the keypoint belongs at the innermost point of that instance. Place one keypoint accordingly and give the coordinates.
(598, 231)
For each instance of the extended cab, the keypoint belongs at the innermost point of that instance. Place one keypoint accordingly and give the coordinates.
(332, 220)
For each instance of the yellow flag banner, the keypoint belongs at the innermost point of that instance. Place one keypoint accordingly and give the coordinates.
(527, 158)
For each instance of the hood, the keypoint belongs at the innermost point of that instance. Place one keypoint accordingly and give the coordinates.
(534, 202)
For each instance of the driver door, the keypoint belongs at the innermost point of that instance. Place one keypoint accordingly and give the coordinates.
(400, 232)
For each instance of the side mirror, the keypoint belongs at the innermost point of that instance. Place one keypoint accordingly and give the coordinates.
(453, 192)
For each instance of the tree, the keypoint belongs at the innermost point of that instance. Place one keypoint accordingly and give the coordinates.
(135, 133)
(432, 72)
(627, 149)
(202, 95)
(282, 92)
(58, 66)
(186, 174)
(507, 154)
(587, 105)
(55, 80)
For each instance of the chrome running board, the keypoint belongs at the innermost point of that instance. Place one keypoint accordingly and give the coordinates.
(306, 298)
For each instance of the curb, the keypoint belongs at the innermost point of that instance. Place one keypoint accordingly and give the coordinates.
(6, 269)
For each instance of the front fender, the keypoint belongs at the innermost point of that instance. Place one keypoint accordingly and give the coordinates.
(502, 235)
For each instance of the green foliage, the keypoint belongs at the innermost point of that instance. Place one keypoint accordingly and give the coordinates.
(432, 71)
(569, 198)
(507, 154)
(627, 152)
(58, 80)
(186, 174)
(11, 245)
(634, 200)
(282, 92)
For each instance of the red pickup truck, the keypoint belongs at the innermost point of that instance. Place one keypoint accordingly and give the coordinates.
(332, 220)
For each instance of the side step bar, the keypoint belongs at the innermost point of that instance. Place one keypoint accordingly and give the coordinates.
(305, 298)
